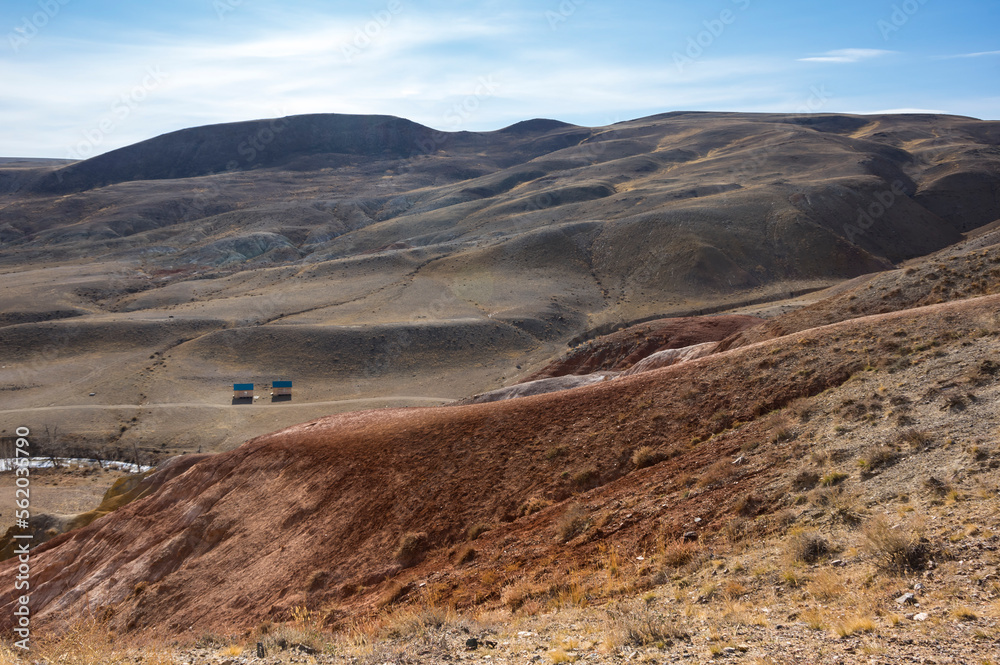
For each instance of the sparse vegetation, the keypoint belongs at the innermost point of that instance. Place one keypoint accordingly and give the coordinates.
(833, 478)
(897, 548)
(646, 456)
(573, 522)
(411, 548)
(807, 547)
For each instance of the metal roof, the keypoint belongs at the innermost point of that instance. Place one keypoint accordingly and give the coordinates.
(281, 384)
(242, 386)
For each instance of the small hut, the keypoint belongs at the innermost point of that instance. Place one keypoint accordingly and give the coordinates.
(281, 388)
(242, 391)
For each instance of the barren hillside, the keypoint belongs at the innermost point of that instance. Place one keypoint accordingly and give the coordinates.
(371, 258)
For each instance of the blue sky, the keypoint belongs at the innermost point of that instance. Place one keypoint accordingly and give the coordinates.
(81, 77)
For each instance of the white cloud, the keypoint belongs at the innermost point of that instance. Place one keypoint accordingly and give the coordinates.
(981, 54)
(901, 110)
(847, 55)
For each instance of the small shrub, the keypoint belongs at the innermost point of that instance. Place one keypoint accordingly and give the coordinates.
(646, 456)
(677, 555)
(572, 523)
(896, 549)
(937, 487)
(748, 505)
(833, 478)
(805, 480)
(533, 505)
(808, 547)
(477, 530)
(716, 473)
(555, 452)
(411, 548)
(637, 625)
(964, 614)
(853, 626)
(464, 555)
(915, 438)
(585, 479)
(876, 457)
(393, 593)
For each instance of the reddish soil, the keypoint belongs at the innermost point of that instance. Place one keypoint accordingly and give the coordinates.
(621, 350)
(312, 515)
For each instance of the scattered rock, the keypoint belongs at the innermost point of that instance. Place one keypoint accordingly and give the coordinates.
(690, 536)
(923, 616)
(907, 599)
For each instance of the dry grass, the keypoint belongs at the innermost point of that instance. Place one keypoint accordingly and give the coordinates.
(573, 522)
(826, 586)
(807, 547)
(647, 456)
(898, 548)
(716, 473)
(411, 548)
(88, 642)
(853, 626)
(636, 624)
(533, 505)
(833, 478)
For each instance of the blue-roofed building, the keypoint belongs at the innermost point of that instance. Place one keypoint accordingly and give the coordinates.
(281, 388)
(242, 391)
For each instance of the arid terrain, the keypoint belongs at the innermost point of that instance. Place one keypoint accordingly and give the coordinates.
(784, 418)
(371, 258)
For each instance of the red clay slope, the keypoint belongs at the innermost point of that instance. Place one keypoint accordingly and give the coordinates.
(312, 515)
(621, 350)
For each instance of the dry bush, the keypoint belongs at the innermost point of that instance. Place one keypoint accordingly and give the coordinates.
(716, 473)
(574, 521)
(916, 438)
(748, 505)
(679, 554)
(897, 549)
(464, 554)
(586, 479)
(636, 624)
(412, 546)
(853, 626)
(807, 547)
(477, 530)
(87, 642)
(805, 480)
(533, 505)
(520, 592)
(876, 457)
(647, 456)
(781, 427)
(833, 478)
(843, 506)
(937, 487)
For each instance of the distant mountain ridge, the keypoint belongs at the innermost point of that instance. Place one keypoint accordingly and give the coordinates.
(241, 146)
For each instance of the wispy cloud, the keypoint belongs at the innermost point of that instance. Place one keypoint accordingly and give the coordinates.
(900, 111)
(981, 54)
(847, 55)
